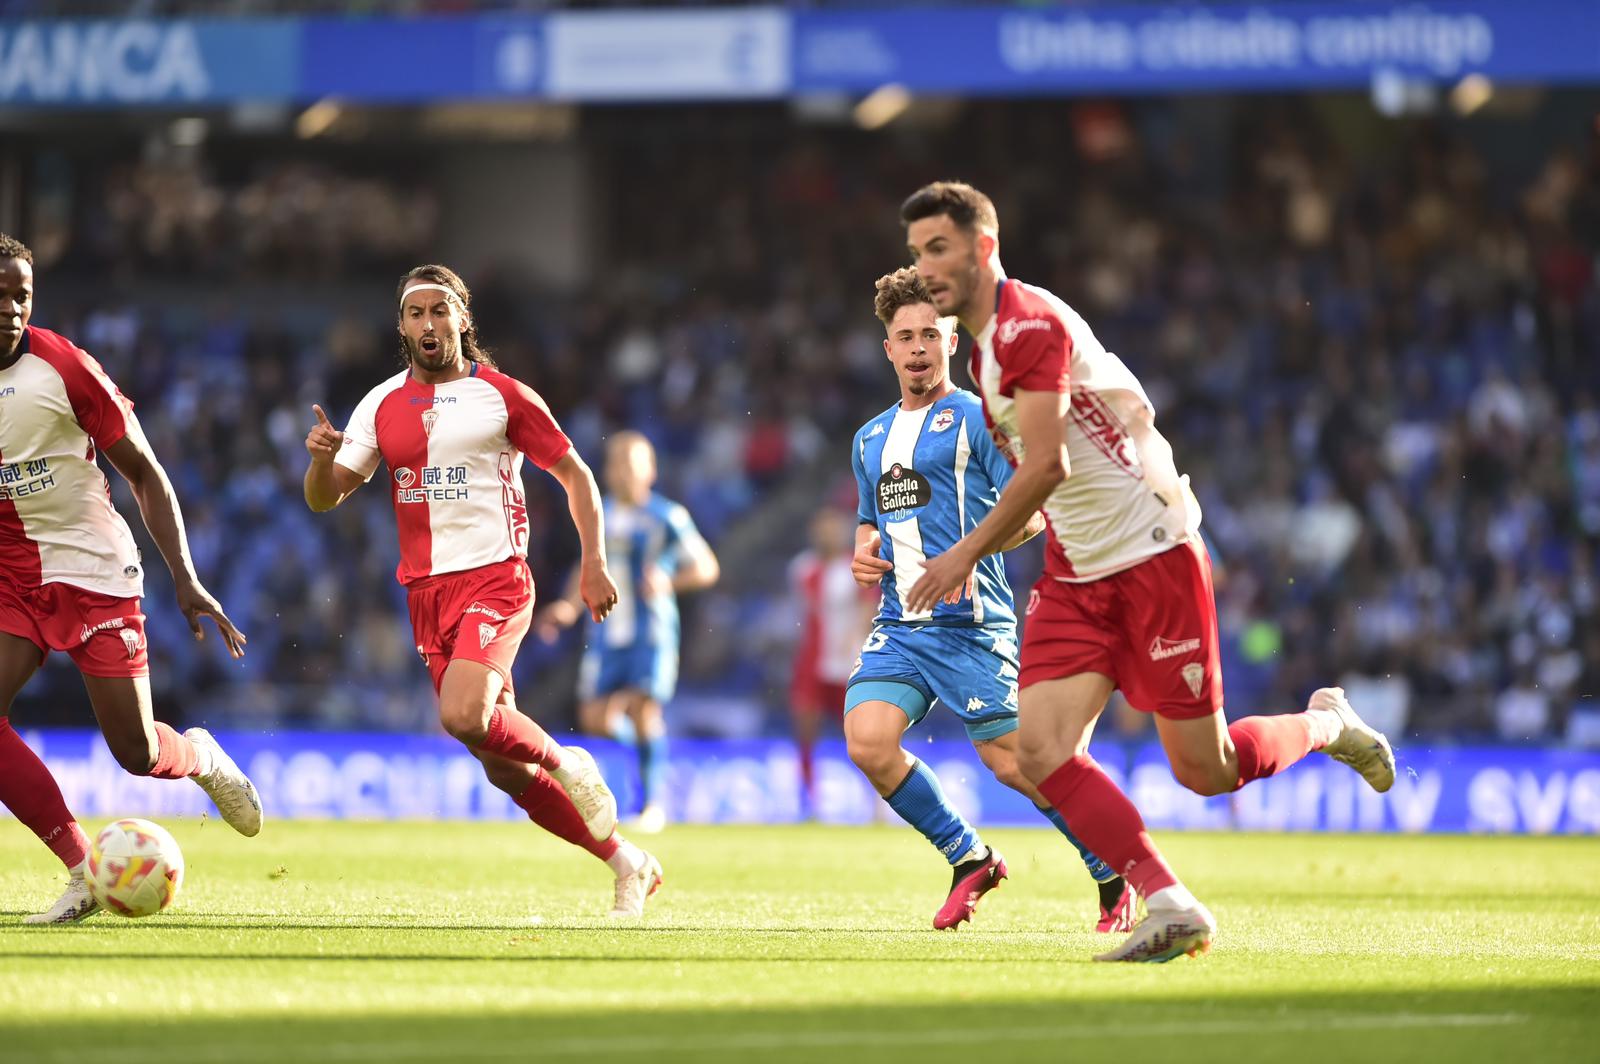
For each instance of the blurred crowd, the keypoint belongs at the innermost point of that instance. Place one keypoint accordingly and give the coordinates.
(1380, 365)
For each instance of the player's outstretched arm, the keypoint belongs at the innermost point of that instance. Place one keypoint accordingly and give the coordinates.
(1040, 420)
(158, 504)
(327, 483)
(595, 586)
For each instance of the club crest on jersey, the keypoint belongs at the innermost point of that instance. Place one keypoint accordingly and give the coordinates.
(1194, 674)
(485, 635)
(430, 418)
(902, 488)
(942, 420)
(405, 477)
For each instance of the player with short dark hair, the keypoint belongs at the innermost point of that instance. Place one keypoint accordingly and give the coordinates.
(453, 431)
(1126, 597)
(71, 579)
(927, 474)
(630, 669)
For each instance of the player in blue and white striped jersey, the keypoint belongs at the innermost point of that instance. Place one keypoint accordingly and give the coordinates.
(927, 472)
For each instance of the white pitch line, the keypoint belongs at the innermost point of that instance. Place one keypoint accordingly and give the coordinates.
(541, 1049)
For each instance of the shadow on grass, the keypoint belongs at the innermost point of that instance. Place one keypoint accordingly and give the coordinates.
(1511, 1023)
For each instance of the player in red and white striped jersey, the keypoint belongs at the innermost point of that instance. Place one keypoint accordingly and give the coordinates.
(453, 431)
(835, 614)
(1126, 598)
(70, 578)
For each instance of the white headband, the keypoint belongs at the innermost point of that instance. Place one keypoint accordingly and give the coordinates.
(427, 286)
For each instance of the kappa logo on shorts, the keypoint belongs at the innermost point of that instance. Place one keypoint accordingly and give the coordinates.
(486, 634)
(132, 641)
(1194, 674)
(975, 704)
(1162, 649)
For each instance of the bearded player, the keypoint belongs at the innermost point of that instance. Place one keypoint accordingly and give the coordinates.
(453, 431)
(71, 579)
(927, 474)
(1126, 597)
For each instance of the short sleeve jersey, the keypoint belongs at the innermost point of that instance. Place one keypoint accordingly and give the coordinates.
(657, 535)
(924, 479)
(1123, 500)
(454, 453)
(58, 409)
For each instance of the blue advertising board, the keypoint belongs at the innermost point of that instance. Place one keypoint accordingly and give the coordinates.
(770, 52)
(380, 776)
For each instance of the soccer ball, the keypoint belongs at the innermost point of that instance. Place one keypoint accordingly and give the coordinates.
(135, 868)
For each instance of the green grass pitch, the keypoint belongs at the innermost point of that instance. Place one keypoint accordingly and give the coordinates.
(486, 942)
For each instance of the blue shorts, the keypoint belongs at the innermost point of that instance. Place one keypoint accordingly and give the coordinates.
(971, 670)
(645, 667)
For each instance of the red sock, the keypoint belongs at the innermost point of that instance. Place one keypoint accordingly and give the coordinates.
(808, 771)
(175, 756)
(1268, 745)
(1105, 821)
(548, 806)
(513, 734)
(31, 793)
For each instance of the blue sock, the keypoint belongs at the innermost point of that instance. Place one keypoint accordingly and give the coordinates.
(920, 801)
(1097, 868)
(622, 730)
(653, 767)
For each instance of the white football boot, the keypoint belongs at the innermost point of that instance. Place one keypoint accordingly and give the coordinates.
(235, 796)
(74, 905)
(636, 886)
(1361, 747)
(580, 777)
(1167, 933)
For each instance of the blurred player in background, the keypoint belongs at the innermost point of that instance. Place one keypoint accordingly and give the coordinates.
(453, 431)
(1126, 596)
(835, 614)
(630, 670)
(927, 474)
(71, 580)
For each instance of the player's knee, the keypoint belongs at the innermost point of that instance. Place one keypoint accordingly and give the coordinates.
(1011, 774)
(466, 720)
(137, 753)
(873, 756)
(1035, 762)
(1203, 778)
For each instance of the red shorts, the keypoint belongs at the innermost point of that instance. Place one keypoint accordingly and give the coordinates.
(476, 615)
(102, 634)
(1151, 628)
(810, 693)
